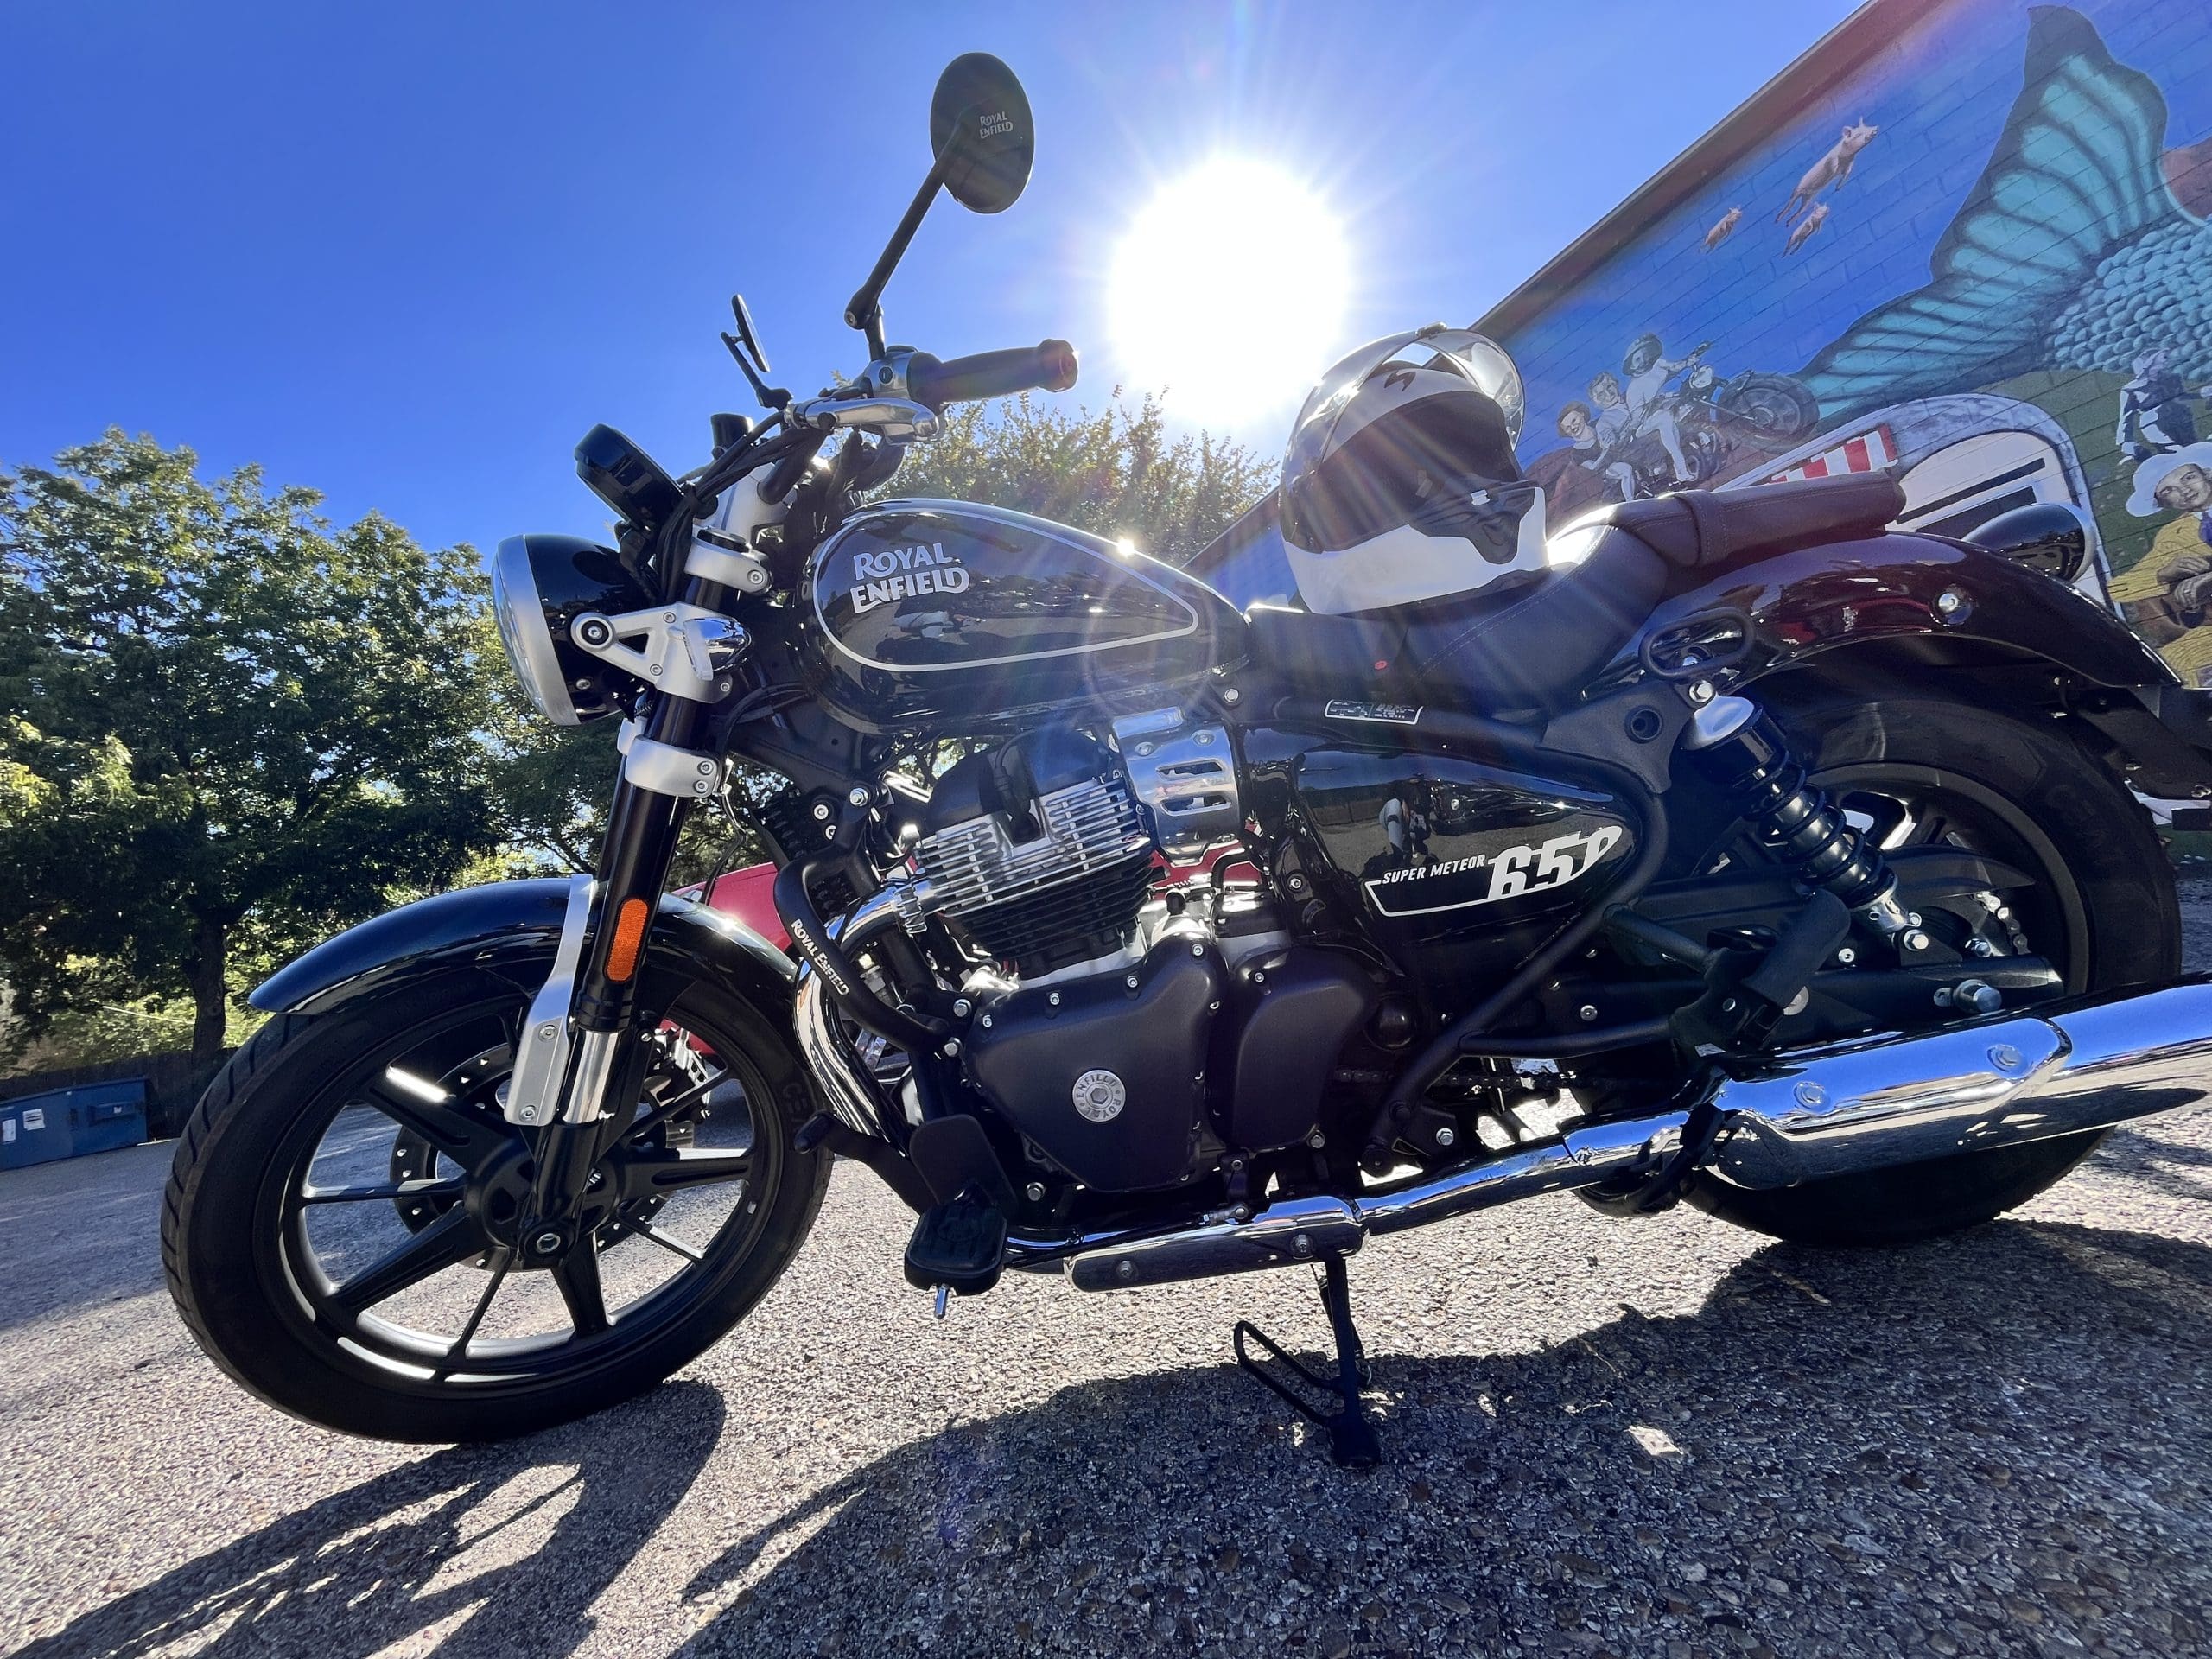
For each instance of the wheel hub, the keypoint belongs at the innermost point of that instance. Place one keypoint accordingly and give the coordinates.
(498, 1198)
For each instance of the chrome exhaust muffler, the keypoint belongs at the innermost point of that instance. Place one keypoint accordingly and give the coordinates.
(1997, 1083)
(1812, 1114)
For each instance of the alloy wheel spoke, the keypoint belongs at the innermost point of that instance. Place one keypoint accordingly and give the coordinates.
(656, 1174)
(460, 1135)
(660, 1114)
(576, 1276)
(451, 1187)
(451, 1239)
(667, 1243)
(457, 1353)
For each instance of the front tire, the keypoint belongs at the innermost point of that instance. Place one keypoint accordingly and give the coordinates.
(2103, 910)
(332, 1228)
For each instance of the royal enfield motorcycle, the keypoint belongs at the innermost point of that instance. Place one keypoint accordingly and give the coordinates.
(1747, 853)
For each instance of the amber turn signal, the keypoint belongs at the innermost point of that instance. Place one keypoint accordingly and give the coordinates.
(629, 935)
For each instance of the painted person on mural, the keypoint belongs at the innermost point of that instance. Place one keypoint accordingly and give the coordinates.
(2180, 482)
(1650, 406)
(1585, 428)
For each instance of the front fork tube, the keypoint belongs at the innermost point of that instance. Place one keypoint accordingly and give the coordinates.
(642, 827)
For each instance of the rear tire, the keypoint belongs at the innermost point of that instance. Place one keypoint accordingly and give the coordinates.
(2105, 914)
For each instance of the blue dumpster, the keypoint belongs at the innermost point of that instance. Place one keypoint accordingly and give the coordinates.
(64, 1122)
(107, 1115)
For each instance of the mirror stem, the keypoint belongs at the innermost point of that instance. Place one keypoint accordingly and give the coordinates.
(865, 310)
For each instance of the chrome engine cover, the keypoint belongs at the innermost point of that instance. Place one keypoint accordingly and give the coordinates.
(1086, 828)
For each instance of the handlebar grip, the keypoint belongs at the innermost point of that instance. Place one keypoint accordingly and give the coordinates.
(1047, 366)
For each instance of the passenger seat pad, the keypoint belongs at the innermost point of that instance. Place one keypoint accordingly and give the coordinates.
(1702, 530)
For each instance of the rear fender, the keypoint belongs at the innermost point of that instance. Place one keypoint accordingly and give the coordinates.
(1945, 607)
(509, 929)
(1821, 599)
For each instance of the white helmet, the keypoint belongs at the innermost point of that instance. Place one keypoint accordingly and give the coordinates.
(1401, 483)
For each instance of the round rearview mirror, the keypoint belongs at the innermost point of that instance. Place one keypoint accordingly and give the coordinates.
(981, 131)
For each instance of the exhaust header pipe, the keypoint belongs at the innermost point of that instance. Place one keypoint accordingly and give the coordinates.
(1814, 1114)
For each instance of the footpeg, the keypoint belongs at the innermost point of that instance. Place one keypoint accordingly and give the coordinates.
(958, 1245)
(1352, 1441)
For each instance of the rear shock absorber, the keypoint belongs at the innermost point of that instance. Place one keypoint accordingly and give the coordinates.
(1744, 752)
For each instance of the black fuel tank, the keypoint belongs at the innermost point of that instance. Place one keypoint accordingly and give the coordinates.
(949, 612)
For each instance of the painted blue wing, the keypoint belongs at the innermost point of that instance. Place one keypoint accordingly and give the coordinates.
(2075, 174)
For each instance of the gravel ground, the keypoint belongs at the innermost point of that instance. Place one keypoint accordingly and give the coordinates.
(1666, 1438)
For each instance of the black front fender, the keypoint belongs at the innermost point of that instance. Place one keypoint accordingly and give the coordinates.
(509, 929)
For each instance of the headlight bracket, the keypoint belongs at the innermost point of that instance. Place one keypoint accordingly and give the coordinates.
(681, 649)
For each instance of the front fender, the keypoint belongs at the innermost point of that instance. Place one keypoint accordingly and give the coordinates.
(1892, 586)
(510, 928)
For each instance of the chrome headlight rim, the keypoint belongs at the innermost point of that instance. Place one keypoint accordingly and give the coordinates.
(527, 631)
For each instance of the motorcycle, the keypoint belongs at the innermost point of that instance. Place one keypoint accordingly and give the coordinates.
(1763, 859)
(1710, 414)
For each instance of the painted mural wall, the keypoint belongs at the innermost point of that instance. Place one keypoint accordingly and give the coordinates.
(1985, 258)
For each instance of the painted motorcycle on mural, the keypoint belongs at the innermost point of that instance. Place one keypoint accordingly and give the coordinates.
(1728, 849)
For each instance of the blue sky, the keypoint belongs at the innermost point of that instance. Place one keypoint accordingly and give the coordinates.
(406, 253)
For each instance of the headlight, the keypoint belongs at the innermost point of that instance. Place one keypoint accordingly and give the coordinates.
(538, 584)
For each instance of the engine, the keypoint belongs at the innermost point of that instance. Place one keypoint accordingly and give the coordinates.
(1130, 1030)
(1037, 850)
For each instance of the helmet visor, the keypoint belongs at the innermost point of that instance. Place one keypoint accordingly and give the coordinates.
(1481, 359)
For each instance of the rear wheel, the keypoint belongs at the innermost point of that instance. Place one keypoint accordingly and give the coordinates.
(340, 1228)
(2101, 909)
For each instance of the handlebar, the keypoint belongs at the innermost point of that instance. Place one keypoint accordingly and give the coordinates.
(1047, 366)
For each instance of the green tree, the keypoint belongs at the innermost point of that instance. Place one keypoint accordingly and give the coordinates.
(226, 726)
(1115, 473)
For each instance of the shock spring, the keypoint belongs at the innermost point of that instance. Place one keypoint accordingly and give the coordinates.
(1745, 753)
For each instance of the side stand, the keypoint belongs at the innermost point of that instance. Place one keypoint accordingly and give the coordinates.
(1351, 1431)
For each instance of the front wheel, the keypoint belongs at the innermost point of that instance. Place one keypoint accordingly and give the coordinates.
(2101, 908)
(339, 1227)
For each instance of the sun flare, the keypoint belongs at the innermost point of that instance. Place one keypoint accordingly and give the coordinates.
(1228, 290)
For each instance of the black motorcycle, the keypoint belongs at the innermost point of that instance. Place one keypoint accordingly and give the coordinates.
(1762, 858)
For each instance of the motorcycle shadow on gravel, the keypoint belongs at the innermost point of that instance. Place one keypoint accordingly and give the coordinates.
(2000, 1429)
(489, 1550)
